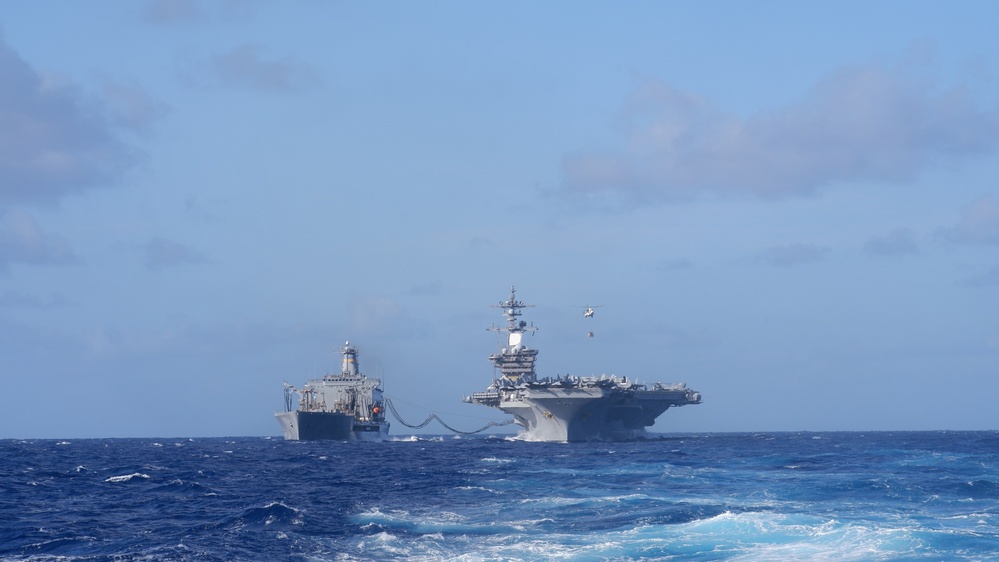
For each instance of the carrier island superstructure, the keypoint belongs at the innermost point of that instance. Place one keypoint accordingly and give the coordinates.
(570, 408)
(345, 406)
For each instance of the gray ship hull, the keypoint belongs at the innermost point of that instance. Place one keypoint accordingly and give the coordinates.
(585, 414)
(370, 431)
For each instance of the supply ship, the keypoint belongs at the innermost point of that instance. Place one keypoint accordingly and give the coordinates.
(347, 406)
(570, 408)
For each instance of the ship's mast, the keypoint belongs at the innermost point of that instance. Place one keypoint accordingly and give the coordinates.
(516, 361)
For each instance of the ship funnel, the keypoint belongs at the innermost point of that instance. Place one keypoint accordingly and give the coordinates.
(350, 366)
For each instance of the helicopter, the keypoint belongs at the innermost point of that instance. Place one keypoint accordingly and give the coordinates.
(588, 312)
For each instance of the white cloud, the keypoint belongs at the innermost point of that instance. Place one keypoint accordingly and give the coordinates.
(161, 252)
(988, 278)
(379, 316)
(22, 240)
(375, 314)
(859, 124)
(179, 12)
(171, 11)
(130, 105)
(979, 223)
(54, 140)
(245, 68)
(898, 242)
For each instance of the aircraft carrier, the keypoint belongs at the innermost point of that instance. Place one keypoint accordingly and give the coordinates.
(570, 408)
(346, 406)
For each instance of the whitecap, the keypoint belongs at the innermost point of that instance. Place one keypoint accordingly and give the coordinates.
(477, 489)
(375, 516)
(552, 501)
(126, 477)
(273, 513)
(776, 536)
(385, 544)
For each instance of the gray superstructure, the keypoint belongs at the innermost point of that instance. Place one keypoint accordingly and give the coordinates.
(346, 406)
(570, 408)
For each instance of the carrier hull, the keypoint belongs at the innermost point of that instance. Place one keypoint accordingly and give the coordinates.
(594, 414)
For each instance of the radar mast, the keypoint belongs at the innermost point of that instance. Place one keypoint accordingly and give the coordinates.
(515, 361)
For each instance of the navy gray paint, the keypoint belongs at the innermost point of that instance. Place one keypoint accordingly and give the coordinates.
(570, 408)
(344, 406)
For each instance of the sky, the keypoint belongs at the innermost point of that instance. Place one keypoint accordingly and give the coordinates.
(791, 207)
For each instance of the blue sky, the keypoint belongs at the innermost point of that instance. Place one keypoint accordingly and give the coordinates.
(792, 207)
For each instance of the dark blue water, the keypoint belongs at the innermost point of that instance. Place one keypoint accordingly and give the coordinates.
(788, 496)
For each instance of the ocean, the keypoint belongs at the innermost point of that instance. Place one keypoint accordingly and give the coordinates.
(725, 496)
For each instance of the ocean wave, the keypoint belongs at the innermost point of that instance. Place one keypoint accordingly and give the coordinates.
(497, 460)
(976, 489)
(126, 477)
(178, 485)
(731, 536)
(416, 439)
(274, 515)
(477, 489)
(445, 522)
